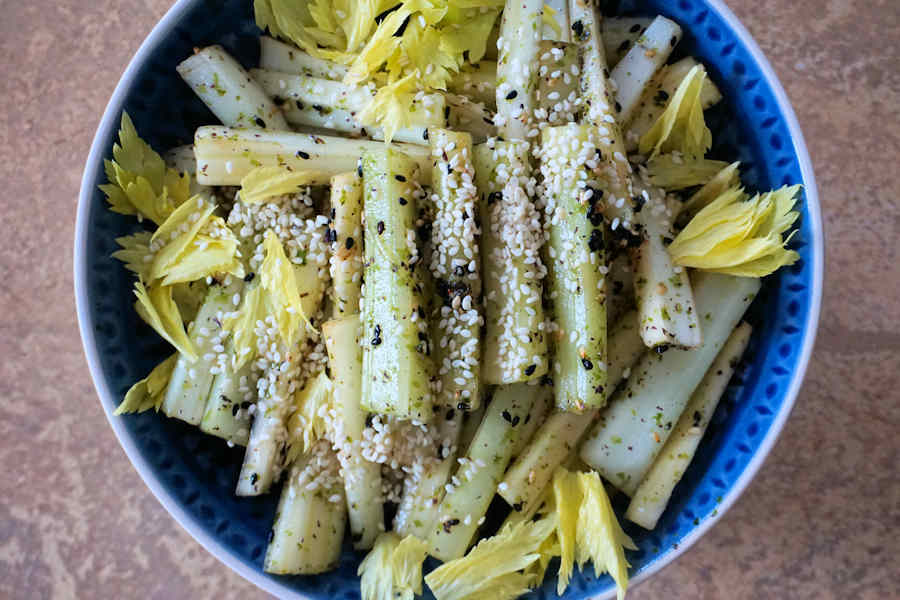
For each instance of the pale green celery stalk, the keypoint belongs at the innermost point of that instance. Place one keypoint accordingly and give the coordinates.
(540, 410)
(264, 456)
(421, 498)
(232, 393)
(278, 56)
(309, 525)
(656, 96)
(456, 269)
(652, 495)
(229, 92)
(477, 82)
(599, 110)
(346, 263)
(620, 33)
(397, 366)
(225, 155)
(554, 441)
(632, 74)
(190, 383)
(183, 160)
(314, 102)
(466, 502)
(640, 417)
(466, 115)
(362, 479)
(470, 425)
(515, 344)
(558, 95)
(561, 16)
(665, 301)
(576, 267)
(517, 68)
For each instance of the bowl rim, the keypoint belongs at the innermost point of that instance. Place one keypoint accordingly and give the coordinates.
(109, 121)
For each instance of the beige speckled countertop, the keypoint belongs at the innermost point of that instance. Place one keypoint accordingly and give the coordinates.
(822, 519)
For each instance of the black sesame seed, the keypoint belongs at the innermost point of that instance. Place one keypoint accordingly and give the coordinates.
(260, 122)
(462, 406)
(635, 28)
(425, 135)
(515, 420)
(618, 106)
(400, 178)
(661, 349)
(278, 100)
(249, 277)
(380, 227)
(638, 203)
(517, 507)
(529, 370)
(330, 235)
(598, 389)
(673, 41)
(449, 523)
(299, 105)
(348, 243)
(446, 112)
(661, 96)
(459, 271)
(512, 95)
(234, 410)
(450, 414)
(254, 478)
(546, 380)
(578, 28)
(318, 108)
(624, 46)
(507, 416)
(359, 169)
(587, 364)
(402, 201)
(302, 154)
(494, 196)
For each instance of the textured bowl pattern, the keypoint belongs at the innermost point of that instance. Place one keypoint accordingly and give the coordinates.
(197, 473)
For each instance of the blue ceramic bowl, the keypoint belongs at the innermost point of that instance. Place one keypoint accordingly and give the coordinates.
(193, 475)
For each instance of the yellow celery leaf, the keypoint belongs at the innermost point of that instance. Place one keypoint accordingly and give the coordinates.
(205, 257)
(681, 125)
(469, 36)
(140, 194)
(392, 570)
(567, 496)
(263, 183)
(177, 233)
(291, 19)
(359, 22)
(599, 537)
(391, 106)
(739, 237)
(324, 15)
(548, 16)
(118, 201)
(264, 15)
(189, 297)
(674, 172)
(425, 53)
(378, 49)
(728, 177)
(309, 421)
(135, 157)
(276, 274)
(178, 187)
(136, 253)
(150, 391)
(156, 306)
(494, 568)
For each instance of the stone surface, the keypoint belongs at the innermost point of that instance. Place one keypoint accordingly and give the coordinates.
(821, 519)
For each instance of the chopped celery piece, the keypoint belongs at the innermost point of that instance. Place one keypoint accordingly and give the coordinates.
(517, 68)
(346, 263)
(639, 419)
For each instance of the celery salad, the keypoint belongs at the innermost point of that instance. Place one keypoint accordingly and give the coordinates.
(441, 250)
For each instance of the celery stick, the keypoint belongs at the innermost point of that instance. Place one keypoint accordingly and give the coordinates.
(225, 155)
(423, 492)
(636, 68)
(559, 13)
(557, 437)
(464, 505)
(597, 90)
(264, 455)
(226, 414)
(278, 56)
(477, 82)
(362, 479)
(397, 366)
(619, 287)
(229, 92)
(466, 115)
(663, 292)
(346, 262)
(576, 266)
(656, 96)
(619, 34)
(314, 102)
(515, 346)
(519, 45)
(652, 495)
(540, 410)
(558, 95)
(639, 419)
(190, 383)
(309, 523)
(456, 268)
